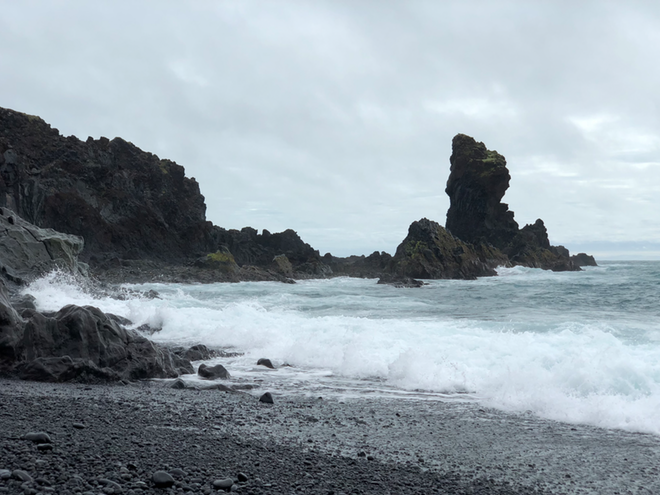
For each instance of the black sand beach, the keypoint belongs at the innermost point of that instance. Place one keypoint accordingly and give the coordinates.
(112, 439)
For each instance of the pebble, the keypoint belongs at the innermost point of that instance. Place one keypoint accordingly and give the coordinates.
(45, 446)
(38, 437)
(21, 475)
(111, 484)
(242, 478)
(162, 479)
(266, 398)
(223, 484)
(78, 426)
(5, 474)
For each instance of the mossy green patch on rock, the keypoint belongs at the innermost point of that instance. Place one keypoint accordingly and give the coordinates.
(222, 260)
(220, 257)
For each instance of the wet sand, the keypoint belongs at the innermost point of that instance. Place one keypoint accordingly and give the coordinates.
(112, 438)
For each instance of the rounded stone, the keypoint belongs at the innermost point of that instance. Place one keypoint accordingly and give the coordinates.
(223, 484)
(38, 437)
(20, 475)
(267, 398)
(162, 479)
(265, 362)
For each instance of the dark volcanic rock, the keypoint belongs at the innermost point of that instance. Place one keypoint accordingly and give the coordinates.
(27, 251)
(122, 200)
(79, 343)
(10, 334)
(430, 252)
(476, 185)
(377, 264)
(197, 352)
(64, 369)
(221, 260)
(265, 362)
(130, 205)
(213, 372)
(161, 479)
(400, 282)
(583, 259)
(250, 248)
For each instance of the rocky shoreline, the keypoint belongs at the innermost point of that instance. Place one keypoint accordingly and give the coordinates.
(108, 439)
(129, 216)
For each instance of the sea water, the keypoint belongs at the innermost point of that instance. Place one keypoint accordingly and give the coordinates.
(580, 347)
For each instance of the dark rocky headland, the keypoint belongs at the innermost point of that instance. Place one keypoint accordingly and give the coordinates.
(141, 218)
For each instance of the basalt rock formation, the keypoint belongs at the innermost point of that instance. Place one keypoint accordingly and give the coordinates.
(127, 204)
(75, 343)
(78, 344)
(476, 185)
(377, 264)
(583, 259)
(27, 251)
(431, 252)
(123, 201)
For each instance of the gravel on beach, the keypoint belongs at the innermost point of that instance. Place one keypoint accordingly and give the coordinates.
(150, 438)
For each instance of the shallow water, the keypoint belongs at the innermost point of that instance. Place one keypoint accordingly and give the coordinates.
(576, 347)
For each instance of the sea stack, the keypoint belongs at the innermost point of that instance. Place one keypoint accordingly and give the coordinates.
(477, 182)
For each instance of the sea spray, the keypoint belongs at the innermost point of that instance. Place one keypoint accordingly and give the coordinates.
(575, 347)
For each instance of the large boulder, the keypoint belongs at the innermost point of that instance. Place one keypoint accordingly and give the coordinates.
(429, 251)
(477, 182)
(80, 343)
(27, 251)
(86, 334)
(222, 260)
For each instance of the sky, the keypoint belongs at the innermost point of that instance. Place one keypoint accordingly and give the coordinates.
(335, 118)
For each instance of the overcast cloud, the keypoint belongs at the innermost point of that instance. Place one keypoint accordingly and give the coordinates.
(335, 118)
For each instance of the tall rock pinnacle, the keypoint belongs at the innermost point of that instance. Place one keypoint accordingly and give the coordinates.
(476, 185)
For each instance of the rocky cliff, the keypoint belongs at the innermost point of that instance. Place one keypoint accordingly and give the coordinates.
(129, 205)
(125, 202)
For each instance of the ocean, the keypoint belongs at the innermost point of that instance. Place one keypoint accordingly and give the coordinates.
(577, 347)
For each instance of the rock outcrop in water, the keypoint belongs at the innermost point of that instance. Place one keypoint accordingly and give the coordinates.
(143, 219)
(431, 252)
(75, 343)
(78, 344)
(477, 182)
(481, 231)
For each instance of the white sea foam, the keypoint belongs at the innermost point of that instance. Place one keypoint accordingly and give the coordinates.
(516, 342)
